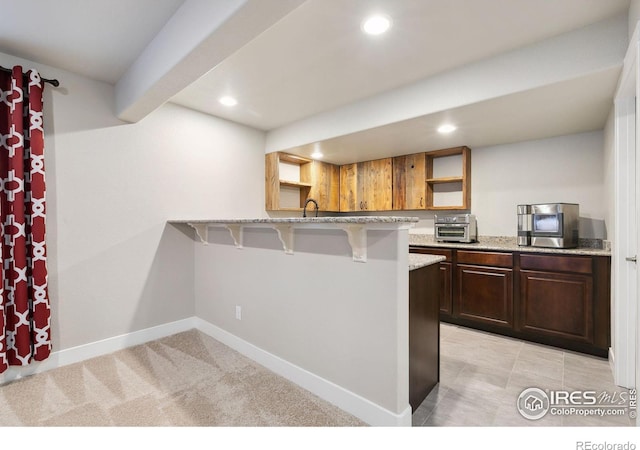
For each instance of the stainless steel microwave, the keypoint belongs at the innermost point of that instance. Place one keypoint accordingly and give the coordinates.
(552, 225)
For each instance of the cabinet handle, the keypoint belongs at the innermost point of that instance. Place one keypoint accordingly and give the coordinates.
(421, 202)
(361, 205)
(366, 206)
(631, 259)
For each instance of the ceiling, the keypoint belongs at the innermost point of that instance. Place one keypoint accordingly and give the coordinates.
(316, 58)
(310, 57)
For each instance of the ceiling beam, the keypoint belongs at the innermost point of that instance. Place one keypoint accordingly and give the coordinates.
(199, 36)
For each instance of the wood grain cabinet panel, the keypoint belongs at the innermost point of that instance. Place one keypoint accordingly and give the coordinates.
(325, 185)
(366, 186)
(377, 188)
(485, 295)
(349, 187)
(557, 305)
(409, 182)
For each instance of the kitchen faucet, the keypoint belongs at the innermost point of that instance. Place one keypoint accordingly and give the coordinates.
(304, 210)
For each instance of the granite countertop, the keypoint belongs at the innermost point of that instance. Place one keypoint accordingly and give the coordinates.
(508, 243)
(416, 261)
(307, 220)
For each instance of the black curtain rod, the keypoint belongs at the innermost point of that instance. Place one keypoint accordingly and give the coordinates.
(54, 83)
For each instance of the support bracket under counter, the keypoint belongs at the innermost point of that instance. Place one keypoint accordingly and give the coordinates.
(236, 234)
(285, 234)
(202, 231)
(357, 235)
(355, 227)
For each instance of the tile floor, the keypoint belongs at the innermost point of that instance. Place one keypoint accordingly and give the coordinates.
(482, 375)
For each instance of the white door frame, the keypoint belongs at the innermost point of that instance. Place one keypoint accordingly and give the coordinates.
(625, 320)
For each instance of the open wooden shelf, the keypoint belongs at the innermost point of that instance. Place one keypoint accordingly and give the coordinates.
(464, 180)
(445, 180)
(295, 184)
(293, 159)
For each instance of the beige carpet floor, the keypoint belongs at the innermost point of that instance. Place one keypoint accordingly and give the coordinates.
(188, 379)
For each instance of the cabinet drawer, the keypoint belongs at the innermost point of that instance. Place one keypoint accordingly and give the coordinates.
(486, 258)
(553, 263)
(432, 251)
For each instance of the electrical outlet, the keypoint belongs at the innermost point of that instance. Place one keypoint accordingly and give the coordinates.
(238, 312)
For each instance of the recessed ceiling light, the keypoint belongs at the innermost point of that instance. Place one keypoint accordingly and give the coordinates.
(376, 24)
(317, 153)
(446, 128)
(228, 101)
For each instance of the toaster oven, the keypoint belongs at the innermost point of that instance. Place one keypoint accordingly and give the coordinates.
(455, 228)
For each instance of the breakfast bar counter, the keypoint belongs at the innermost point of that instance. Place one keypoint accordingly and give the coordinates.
(324, 302)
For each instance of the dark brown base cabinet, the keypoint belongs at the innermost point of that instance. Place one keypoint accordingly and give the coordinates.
(424, 333)
(554, 299)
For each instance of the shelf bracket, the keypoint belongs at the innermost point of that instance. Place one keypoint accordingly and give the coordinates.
(236, 234)
(285, 233)
(202, 230)
(357, 235)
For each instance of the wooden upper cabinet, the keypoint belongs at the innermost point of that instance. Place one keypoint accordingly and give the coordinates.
(290, 180)
(378, 182)
(366, 186)
(325, 184)
(434, 180)
(349, 197)
(409, 182)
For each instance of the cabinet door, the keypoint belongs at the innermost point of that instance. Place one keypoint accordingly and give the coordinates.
(557, 305)
(325, 184)
(485, 294)
(376, 184)
(349, 187)
(445, 289)
(409, 185)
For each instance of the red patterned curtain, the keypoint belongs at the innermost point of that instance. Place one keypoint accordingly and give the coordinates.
(24, 299)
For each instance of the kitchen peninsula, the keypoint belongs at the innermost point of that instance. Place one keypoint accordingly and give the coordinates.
(322, 301)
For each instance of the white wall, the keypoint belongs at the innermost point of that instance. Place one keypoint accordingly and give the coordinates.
(343, 321)
(633, 16)
(562, 169)
(114, 266)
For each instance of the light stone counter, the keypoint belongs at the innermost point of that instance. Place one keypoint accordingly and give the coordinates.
(307, 220)
(356, 228)
(417, 261)
(506, 243)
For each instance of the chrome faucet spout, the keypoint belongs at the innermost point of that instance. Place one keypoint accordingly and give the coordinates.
(304, 210)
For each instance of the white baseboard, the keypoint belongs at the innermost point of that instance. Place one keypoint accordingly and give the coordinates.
(346, 400)
(83, 352)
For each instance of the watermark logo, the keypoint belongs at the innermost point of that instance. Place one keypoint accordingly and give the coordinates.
(534, 403)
